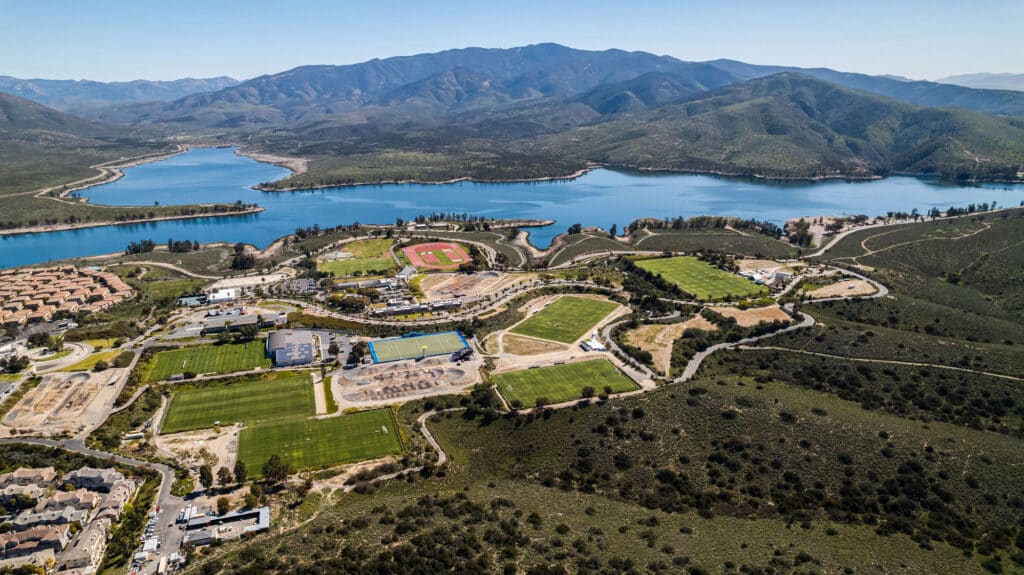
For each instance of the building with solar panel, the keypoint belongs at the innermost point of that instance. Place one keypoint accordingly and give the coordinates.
(287, 347)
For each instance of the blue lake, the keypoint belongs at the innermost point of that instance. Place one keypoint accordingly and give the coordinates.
(600, 198)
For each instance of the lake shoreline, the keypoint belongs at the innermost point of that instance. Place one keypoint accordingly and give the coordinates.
(77, 226)
(577, 174)
(221, 174)
(285, 162)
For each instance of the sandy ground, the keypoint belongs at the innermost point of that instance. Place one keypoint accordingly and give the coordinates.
(658, 339)
(448, 285)
(753, 316)
(431, 282)
(222, 444)
(518, 345)
(766, 265)
(253, 281)
(319, 397)
(843, 288)
(66, 401)
(387, 383)
(296, 165)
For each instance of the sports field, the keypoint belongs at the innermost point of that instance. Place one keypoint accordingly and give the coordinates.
(226, 358)
(370, 257)
(558, 383)
(315, 443)
(410, 347)
(700, 279)
(566, 320)
(253, 402)
(437, 255)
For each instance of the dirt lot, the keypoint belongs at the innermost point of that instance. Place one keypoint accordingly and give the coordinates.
(753, 316)
(843, 288)
(212, 446)
(517, 345)
(67, 401)
(385, 383)
(443, 286)
(658, 339)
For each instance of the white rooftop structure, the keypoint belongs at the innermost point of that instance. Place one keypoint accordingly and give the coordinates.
(223, 296)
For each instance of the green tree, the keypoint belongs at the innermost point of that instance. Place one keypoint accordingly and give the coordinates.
(241, 473)
(276, 470)
(224, 476)
(254, 497)
(223, 504)
(206, 476)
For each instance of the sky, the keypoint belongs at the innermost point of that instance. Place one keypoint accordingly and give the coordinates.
(115, 40)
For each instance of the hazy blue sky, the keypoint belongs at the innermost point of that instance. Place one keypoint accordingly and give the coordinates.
(122, 40)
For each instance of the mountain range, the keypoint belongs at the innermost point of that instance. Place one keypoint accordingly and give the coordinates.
(988, 81)
(86, 96)
(548, 110)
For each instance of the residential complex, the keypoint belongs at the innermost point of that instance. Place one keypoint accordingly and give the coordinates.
(39, 294)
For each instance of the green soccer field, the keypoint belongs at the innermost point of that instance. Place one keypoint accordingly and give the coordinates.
(700, 279)
(254, 402)
(410, 347)
(371, 257)
(316, 443)
(558, 383)
(565, 320)
(227, 358)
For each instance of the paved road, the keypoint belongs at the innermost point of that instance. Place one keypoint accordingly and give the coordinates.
(79, 351)
(698, 358)
(606, 335)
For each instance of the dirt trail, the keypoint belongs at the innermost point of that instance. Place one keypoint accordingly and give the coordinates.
(887, 361)
(870, 252)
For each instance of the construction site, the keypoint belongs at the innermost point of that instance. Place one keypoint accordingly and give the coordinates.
(66, 402)
(451, 285)
(403, 380)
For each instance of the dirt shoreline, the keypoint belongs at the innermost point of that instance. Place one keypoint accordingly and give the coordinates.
(111, 172)
(572, 176)
(77, 226)
(295, 165)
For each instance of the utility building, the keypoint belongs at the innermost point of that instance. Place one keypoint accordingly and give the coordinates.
(287, 347)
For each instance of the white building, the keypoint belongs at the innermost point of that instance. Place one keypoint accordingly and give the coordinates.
(223, 296)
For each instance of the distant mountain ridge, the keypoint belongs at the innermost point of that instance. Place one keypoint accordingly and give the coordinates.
(547, 110)
(987, 81)
(455, 81)
(79, 95)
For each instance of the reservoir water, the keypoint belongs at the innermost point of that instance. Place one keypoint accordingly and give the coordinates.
(600, 198)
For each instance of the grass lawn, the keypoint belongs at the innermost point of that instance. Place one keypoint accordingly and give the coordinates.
(371, 257)
(315, 443)
(253, 402)
(558, 383)
(102, 343)
(565, 320)
(700, 279)
(90, 362)
(225, 358)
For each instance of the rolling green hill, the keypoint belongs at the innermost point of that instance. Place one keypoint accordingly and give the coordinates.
(792, 125)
